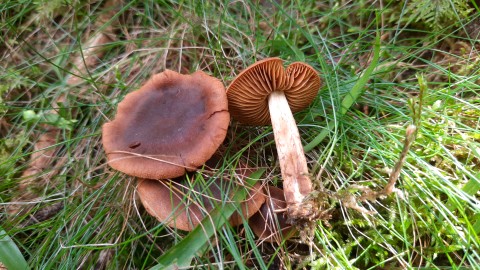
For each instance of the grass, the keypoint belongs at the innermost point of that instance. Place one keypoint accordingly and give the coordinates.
(77, 212)
(10, 256)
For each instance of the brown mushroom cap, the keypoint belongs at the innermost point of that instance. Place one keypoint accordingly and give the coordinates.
(248, 93)
(268, 224)
(171, 125)
(183, 205)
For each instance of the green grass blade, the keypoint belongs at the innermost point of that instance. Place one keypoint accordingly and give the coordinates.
(476, 226)
(472, 186)
(181, 254)
(351, 96)
(10, 255)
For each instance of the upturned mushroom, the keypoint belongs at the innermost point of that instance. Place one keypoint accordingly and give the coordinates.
(183, 203)
(269, 223)
(171, 125)
(267, 93)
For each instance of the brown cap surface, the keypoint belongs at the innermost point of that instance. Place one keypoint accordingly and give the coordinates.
(266, 223)
(182, 205)
(171, 125)
(248, 92)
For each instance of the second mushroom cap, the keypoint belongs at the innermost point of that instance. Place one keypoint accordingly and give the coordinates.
(183, 204)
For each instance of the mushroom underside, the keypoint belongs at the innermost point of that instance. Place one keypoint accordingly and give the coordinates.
(249, 92)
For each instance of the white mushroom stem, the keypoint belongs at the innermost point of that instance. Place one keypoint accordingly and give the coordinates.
(293, 165)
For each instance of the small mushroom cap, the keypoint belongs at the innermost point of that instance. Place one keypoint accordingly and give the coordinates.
(248, 93)
(171, 125)
(268, 224)
(183, 204)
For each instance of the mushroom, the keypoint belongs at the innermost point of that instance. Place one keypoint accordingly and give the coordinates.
(171, 125)
(267, 92)
(183, 203)
(268, 224)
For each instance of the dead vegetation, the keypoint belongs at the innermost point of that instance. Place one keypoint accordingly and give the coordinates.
(45, 150)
